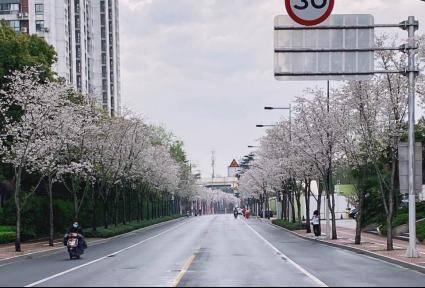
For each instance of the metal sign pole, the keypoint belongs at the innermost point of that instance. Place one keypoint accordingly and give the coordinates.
(291, 64)
(412, 26)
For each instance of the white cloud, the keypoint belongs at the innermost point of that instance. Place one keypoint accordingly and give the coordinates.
(204, 68)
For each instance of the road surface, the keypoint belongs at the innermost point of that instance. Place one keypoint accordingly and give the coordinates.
(207, 251)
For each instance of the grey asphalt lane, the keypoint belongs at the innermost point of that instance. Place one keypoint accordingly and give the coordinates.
(208, 251)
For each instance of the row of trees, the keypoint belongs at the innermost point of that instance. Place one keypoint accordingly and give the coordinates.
(58, 136)
(356, 127)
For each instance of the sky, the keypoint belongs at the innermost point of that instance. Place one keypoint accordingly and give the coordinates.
(204, 68)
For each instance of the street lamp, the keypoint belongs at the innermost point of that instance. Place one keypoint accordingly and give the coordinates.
(250, 146)
(290, 115)
(265, 126)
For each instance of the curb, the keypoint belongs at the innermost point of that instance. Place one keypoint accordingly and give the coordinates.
(411, 266)
(94, 243)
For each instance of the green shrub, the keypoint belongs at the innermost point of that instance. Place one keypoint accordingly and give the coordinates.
(420, 231)
(289, 225)
(401, 219)
(7, 229)
(122, 229)
(7, 237)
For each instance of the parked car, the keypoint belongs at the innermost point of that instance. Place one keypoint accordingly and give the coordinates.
(353, 213)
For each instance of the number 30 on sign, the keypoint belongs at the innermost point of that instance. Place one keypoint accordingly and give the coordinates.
(309, 12)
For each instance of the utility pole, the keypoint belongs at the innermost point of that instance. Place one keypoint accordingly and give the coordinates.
(213, 165)
(327, 201)
(412, 25)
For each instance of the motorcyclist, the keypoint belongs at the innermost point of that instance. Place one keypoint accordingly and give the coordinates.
(76, 228)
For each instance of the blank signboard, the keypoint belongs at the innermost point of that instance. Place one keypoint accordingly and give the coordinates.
(319, 65)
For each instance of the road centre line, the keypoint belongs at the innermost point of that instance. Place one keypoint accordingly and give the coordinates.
(302, 270)
(184, 270)
(104, 257)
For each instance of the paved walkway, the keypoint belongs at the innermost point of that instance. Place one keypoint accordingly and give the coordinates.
(370, 242)
(7, 251)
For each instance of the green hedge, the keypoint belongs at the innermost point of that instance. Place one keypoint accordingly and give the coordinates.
(7, 237)
(7, 234)
(121, 229)
(420, 231)
(403, 218)
(7, 229)
(289, 225)
(35, 216)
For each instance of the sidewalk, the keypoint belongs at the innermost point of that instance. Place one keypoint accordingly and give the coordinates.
(7, 251)
(370, 243)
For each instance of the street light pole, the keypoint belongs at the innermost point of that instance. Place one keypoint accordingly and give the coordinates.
(412, 26)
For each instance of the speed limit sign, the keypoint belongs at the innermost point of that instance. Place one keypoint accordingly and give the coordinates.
(309, 12)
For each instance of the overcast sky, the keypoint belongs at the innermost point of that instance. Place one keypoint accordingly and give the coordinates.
(204, 68)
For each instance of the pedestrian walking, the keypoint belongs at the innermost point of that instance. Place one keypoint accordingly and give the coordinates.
(316, 223)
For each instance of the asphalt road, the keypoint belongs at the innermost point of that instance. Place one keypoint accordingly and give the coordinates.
(207, 251)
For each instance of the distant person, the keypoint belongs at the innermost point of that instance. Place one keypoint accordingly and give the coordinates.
(315, 221)
(247, 213)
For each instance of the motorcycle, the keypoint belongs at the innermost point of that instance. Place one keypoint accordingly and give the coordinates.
(235, 214)
(75, 249)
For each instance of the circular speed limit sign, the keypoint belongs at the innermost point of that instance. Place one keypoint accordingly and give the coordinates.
(309, 12)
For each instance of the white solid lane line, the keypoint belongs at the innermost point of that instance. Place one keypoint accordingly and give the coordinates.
(301, 269)
(104, 257)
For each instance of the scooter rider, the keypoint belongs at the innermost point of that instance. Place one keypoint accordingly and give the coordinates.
(76, 228)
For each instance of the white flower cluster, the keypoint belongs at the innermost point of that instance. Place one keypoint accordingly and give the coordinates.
(52, 130)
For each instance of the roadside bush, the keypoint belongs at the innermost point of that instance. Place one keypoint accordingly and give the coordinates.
(289, 225)
(7, 229)
(420, 231)
(7, 237)
(121, 229)
(35, 216)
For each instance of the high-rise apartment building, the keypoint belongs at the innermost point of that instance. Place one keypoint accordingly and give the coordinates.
(85, 34)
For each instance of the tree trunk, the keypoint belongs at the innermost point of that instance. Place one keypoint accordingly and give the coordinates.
(94, 216)
(74, 192)
(105, 213)
(331, 202)
(124, 219)
(358, 238)
(291, 202)
(51, 224)
(334, 232)
(298, 200)
(361, 198)
(391, 205)
(18, 175)
(129, 204)
(319, 197)
(307, 204)
(116, 210)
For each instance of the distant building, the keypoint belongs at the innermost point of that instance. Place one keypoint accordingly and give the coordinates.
(85, 34)
(227, 184)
